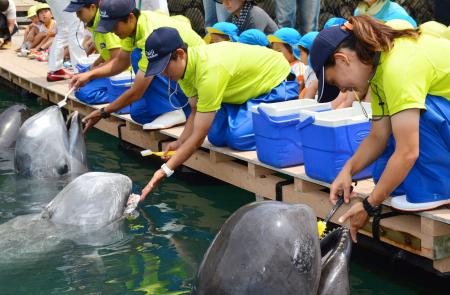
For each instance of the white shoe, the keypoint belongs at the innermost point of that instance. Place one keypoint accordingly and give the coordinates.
(166, 120)
(402, 204)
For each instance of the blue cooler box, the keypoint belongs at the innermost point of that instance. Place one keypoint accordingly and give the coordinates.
(278, 143)
(330, 138)
(118, 85)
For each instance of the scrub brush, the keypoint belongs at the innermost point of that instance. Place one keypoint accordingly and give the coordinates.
(322, 224)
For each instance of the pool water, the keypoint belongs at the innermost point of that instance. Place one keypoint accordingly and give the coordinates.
(163, 247)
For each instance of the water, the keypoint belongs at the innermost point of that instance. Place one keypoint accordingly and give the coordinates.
(165, 244)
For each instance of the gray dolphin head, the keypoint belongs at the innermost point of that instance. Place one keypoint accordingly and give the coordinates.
(10, 121)
(91, 200)
(43, 148)
(263, 248)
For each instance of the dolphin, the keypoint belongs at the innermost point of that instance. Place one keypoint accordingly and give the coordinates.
(273, 248)
(87, 211)
(10, 121)
(45, 148)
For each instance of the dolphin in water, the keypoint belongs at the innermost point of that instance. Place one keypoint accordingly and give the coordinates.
(273, 248)
(87, 211)
(10, 121)
(47, 148)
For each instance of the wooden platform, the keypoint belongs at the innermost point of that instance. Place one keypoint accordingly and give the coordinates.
(426, 234)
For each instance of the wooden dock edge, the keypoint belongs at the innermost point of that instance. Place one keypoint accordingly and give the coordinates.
(421, 234)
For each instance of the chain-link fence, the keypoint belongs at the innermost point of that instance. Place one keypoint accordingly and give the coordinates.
(420, 10)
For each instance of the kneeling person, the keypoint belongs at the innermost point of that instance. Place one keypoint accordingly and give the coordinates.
(223, 80)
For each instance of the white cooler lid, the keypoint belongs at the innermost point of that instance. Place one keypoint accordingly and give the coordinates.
(339, 117)
(289, 107)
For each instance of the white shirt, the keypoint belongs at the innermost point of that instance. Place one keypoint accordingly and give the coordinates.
(10, 13)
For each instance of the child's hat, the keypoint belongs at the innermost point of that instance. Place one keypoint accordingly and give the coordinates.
(334, 21)
(285, 35)
(41, 6)
(224, 28)
(253, 37)
(307, 40)
(31, 11)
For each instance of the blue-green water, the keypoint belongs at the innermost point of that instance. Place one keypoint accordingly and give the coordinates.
(165, 245)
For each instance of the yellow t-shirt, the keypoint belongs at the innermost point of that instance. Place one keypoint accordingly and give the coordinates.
(147, 22)
(103, 42)
(408, 72)
(232, 73)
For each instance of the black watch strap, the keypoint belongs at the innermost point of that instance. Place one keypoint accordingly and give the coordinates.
(371, 210)
(103, 113)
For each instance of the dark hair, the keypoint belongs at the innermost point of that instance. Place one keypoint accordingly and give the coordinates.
(174, 54)
(136, 13)
(304, 49)
(89, 5)
(370, 37)
(4, 5)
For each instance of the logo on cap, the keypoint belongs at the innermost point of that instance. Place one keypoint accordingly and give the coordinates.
(104, 14)
(151, 54)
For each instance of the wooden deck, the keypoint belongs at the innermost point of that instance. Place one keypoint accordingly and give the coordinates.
(426, 234)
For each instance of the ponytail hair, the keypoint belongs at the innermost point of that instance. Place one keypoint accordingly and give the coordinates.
(370, 37)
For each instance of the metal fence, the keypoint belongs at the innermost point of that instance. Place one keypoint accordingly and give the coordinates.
(420, 10)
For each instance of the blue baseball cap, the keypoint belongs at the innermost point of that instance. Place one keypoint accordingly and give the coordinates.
(334, 21)
(159, 47)
(307, 40)
(111, 11)
(224, 28)
(253, 37)
(76, 5)
(325, 44)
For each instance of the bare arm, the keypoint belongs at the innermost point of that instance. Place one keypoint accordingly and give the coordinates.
(405, 127)
(136, 91)
(115, 66)
(369, 150)
(189, 126)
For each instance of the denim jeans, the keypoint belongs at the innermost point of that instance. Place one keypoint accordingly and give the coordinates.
(302, 15)
(214, 12)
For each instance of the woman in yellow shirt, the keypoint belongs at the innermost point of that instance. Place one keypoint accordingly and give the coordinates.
(408, 73)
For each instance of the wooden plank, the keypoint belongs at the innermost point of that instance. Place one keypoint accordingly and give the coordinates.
(304, 186)
(442, 265)
(258, 171)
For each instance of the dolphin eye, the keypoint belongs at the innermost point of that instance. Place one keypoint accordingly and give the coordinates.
(63, 170)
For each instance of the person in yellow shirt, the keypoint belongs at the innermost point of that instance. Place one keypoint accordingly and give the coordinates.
(409, 78)
(108, 45)
(133, 27)
(223, 80)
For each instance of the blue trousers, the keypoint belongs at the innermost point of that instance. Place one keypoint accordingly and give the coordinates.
(155, 100)
(233, 125)
(429, 178)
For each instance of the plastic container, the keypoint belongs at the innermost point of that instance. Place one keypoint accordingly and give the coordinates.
(118, 85)
(278, 143)
(330, 138)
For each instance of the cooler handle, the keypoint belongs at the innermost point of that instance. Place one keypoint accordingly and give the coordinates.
(308, 121)
(284, 123)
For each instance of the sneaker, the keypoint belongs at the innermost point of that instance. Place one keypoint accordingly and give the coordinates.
(67, 64)
(33, 54)
(58, 75)
(23, 52)
(43, 56)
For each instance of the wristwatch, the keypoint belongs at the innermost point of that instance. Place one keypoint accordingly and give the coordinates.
(104, 114)
(371, 210)
(167, 170)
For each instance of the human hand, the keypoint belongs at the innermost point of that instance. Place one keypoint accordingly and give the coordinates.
(90, 120)
(173, 146)
(358, 217)
(79, 80)
(156, 179)
(341, 186)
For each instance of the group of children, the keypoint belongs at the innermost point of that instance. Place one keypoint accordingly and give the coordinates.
(39, 35)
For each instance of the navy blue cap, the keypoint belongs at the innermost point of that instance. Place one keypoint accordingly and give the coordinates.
(159, 47)
(76, 5)
(324, 45)
(111, 11)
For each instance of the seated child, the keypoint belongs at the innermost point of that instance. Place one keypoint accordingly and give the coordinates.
(47, 32)
(382, 10)
(285, 40)
(311, 83)
(254, 37)
(30, 31)
(221, 31)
